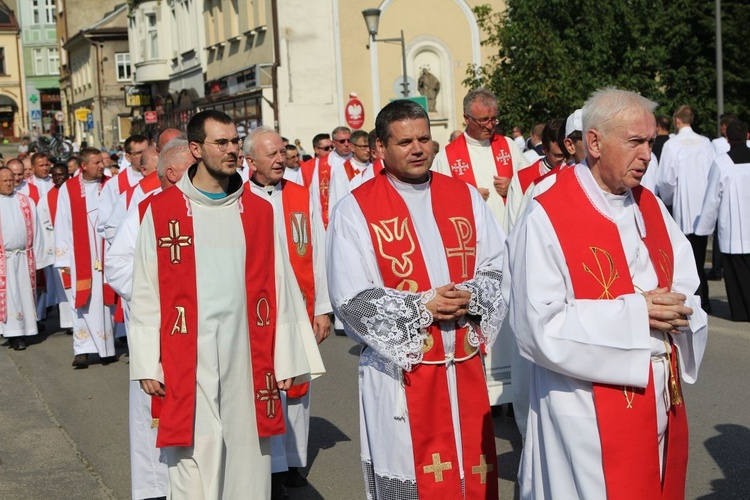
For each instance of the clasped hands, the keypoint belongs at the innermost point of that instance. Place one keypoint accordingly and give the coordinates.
(449, 303)
(156, 388)
(667, 310)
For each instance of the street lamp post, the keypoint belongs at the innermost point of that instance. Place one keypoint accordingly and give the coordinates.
(372, 19)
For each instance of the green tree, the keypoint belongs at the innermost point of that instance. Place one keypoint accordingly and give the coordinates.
(551, 54)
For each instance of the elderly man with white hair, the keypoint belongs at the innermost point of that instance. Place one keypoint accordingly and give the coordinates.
(606, 312)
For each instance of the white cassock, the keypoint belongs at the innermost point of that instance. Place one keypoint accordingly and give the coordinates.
(649, 178)
(290, 450)
(340, 184)
(19, 295)
(43, 185)
(109, 196)
(485, 170)
(353, 278)
(720, 145)
(362, 177)
(683, 175)
(92, 323)
(573, 342)
(520, 142)
(516, 197)
(148, 470)
(727, 201)
(56, 292)
(294, 175)
(228, 460)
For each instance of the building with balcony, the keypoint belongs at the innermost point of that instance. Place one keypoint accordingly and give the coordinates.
(167, 52)
(41, 61)
(13, 104)
(99, 68)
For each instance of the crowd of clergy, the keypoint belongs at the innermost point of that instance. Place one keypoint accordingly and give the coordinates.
(221, 262)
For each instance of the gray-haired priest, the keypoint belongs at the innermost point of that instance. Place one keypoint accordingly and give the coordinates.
(606, 311)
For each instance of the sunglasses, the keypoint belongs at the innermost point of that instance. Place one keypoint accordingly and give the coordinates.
(324, 148)
(341, 141)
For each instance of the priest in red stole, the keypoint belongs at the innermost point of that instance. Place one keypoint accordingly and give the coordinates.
(78, 252)
(302, 234)
(481, 157)
(417, 280)
(606, 312)
(215, 329)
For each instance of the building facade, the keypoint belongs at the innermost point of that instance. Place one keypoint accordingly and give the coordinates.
(167, 50)
(99, 68)
(41, 61)
(13, 103)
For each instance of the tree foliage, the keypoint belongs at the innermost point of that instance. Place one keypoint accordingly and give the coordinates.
(551, 54)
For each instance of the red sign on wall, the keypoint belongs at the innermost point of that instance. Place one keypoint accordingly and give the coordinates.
(354, 112)
(150, 117)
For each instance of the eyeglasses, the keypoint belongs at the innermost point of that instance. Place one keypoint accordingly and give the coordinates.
(136, 153)
(341, 141)
(223, 144)
(484, 122)
(324, 148)
(361, 146)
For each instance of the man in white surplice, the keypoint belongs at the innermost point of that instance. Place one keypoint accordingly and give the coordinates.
(92, 321)
(21, 241)
(575, 342)
(355, 283)
(228, 459)
(264, 151)
(148, 475)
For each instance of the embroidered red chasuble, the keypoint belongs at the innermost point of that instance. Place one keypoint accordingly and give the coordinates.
(626, 416)
(459, 159)
(173, 225)
(402, 267)
(26, 211)
(298, 228)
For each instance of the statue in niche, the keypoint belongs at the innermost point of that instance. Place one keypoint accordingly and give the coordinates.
(429, 86)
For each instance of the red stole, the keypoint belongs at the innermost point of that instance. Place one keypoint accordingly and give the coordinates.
(33, 192)
(377, 166)
(308, 167)
(26, 211)
(459, 160)
(528, 175)
(173, 225)
(324, 181)
(81, 245)
(123, 182)
(148, 184)
(402, 267)
(52, 197)
(351, 172)
(298, 229)
(626, 416)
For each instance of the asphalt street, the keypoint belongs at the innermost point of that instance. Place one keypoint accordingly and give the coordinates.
(64, 432)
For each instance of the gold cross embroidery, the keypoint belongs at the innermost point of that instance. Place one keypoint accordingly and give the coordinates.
(482, 469)
(437, 467)
(174, 241)
(605, 281)
(270, 395)
(464, 233)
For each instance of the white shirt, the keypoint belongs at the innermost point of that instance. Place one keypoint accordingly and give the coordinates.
(683, 176)
(728, 201)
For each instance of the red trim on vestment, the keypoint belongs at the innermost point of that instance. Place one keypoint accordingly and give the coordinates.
(598, 268)
(402, 267)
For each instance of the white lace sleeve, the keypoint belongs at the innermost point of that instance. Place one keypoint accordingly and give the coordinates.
(391, 322)
(487, 303)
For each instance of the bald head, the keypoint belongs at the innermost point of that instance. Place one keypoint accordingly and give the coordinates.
(149, 160)
(167, 135)
(16, 166)
(6, 181)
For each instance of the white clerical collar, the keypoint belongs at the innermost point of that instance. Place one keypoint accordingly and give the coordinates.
(343, 158)
(475, 142)
(597, 197)
(685, 130)
(358, 165)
